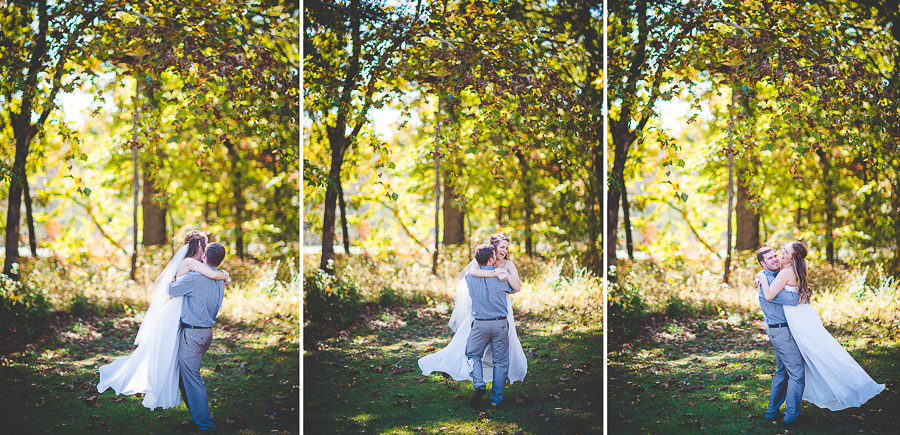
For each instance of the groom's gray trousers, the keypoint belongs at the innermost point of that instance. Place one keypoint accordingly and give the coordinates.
(496, 334)
(192, 344)
(789, 378)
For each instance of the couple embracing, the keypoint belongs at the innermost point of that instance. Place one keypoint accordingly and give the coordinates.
(811, 364)
(485, 344)
(175, 333)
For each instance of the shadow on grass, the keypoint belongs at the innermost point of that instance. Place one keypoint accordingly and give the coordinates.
(366, 379)
(680, 378)
(49, 386)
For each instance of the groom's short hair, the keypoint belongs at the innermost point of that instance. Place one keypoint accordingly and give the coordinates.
(483, 253)
(761, 252)
(215, 253)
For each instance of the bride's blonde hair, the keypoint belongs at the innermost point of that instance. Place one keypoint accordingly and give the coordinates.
(798, 260)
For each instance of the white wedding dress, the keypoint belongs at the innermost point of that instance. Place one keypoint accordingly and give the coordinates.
(834, 380)
(152, 368)
(452, 359)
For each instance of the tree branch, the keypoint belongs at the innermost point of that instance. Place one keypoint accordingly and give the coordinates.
(408, 232)
(60, 66)
(691, 227)
(90, 213)
(138, 14)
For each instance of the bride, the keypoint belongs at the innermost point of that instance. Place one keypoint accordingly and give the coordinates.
(834, 380)
(452, 359)
(152, 368)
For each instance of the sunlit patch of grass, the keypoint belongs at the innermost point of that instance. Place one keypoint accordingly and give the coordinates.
(716, 379)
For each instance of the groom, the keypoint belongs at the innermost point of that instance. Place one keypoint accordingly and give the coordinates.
(789, 379)
(490, 327)
(201, 303)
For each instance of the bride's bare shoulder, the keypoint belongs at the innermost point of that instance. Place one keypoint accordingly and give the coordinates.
(508, 265)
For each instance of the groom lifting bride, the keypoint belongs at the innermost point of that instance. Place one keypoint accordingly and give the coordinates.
(175, 333)
(484, 344)
(810, 364)
(490, 326)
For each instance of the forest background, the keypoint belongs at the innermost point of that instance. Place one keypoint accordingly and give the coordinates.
(123, 125)
(428, 126)
(734, 125)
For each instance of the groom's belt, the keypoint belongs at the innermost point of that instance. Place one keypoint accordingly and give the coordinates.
(486, 320)
(186, 326)
(779, 325)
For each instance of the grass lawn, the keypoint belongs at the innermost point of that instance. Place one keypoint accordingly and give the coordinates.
(49, 386)
(365, 379)
(712, 375)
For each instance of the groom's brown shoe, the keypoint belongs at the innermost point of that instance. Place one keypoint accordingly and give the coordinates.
(476, 396)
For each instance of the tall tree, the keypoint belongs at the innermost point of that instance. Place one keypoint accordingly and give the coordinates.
(348, 52)
(40, 40)
(645, 38)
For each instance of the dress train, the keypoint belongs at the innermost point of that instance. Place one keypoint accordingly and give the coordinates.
(834, 380)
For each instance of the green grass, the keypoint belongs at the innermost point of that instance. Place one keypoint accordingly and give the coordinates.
(366, 380)
(712, 375)
(49, 386)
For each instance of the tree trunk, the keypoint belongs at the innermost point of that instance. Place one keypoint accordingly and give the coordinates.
(730, 193)
(895, 220)
(238, 191)
(29, 217)
(529, 203)
(454, 217)
(135, 175)
(23, 132)
(343, 206)
(338, 143)
(437, 188)
(747, 234)
(596, 229)
(153, 211)
(830, 206)
(626, 216)
(134, 183)
(622, 138)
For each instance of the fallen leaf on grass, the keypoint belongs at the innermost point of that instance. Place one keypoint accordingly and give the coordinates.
(522, 399)
(721, 364)
(404, 403)
(692, 423)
